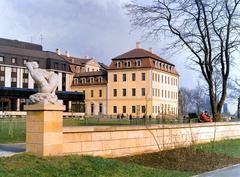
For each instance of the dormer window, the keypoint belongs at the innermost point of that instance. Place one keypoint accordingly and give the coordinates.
(1, 58)
(99, 79)
(91, 80)
(25, 61)
(83, 80)
(13, 60)
(138, 62)
(77, 69)
(119, 64)
(75, 81)
(128, 64)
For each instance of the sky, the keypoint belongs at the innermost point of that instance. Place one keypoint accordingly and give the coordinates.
(96, 28)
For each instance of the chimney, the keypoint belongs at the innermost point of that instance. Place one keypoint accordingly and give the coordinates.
(138, 45)
(151, 49)
(58, 51)
(86, 57)
(67, 53)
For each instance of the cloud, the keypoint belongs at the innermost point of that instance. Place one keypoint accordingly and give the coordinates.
(97, 28)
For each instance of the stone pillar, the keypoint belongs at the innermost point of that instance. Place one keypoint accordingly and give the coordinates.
(44, 126)
(18, 104)
(69, 106)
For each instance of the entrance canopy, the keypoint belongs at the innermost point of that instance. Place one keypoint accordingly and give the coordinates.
(24, 93)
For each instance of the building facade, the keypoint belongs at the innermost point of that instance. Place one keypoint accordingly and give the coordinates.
(137, 83)
(141, 83)
(14, 75)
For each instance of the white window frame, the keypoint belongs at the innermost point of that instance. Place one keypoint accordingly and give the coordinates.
(138, 62)
(100, 79)
(119, 64)
(84, 80)
(129, 63)
(91, 80)
(75, 80)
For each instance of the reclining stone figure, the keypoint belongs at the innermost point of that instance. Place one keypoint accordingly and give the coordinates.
(47, 83)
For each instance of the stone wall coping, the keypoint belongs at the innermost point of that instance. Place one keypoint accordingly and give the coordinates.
(82, 129)
(44, 107)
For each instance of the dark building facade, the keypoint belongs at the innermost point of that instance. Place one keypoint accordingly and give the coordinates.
(14, 75)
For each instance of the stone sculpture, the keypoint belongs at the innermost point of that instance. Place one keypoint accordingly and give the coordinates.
(47, 83)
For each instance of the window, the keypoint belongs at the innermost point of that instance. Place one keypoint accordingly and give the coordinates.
(100, 79)
(128, 64)
(138, 63)
(2, 68)
(119, 64)
(25, 71)
(124, 110)
(25, 80)
(92, 108)
(13, 60)
(100, 93)
(77, 69)
(91, 93)
(143, 92)
(83, 80)
(13, 79)
(143, 77)
(100, 108)
(133, 92)
(91, 80)
(14, 70)
(1, 58)
(124, 77)
(55, 65)
(25, 61)
(133, 76)
(114, 109)
(64, 66)
(2, 78)
(124, 93)
(114, 92)
(143, 109)
(75, 81)
(133, 109)
(115, 77)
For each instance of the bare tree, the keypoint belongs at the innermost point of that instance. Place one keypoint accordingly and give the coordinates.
(185, 99)
(193, 100)
(209, 29)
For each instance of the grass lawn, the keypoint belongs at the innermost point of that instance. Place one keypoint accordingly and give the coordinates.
(27, 165)
(12, 130)
(229, 148)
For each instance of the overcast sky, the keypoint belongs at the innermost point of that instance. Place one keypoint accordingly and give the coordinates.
(95, 28)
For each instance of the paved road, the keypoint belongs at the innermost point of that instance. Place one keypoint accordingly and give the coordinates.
(232, 171)
(10, 149)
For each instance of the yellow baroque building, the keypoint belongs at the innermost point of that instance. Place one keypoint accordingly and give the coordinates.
(141, 83)
(137, 83)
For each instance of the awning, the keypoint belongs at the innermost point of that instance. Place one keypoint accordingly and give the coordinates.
(24, 93)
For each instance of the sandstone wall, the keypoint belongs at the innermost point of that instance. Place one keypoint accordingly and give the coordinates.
(113, 141)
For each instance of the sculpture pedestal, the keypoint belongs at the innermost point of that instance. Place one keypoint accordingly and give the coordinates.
(44, 125)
